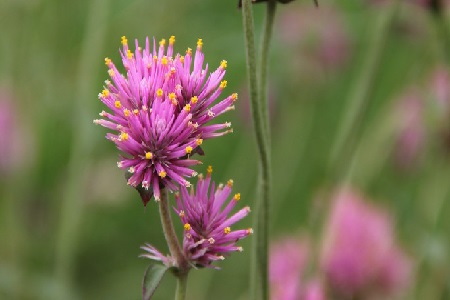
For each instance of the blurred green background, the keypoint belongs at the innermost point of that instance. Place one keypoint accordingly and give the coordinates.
(70, 227)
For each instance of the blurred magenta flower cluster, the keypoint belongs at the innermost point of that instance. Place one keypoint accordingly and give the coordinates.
(359, 256)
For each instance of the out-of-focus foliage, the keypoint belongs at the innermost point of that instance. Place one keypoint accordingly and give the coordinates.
(71, 228)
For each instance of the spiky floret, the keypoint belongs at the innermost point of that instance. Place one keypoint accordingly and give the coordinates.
(159, 111)
(204, 213)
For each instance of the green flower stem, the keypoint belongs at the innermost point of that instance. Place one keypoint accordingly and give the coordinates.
(174, 245)
(72, 200)
(350, 128)
(259, 270)
(264, 65)
(181, 287)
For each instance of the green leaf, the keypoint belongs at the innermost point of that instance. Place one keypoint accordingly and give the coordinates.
(152, 277)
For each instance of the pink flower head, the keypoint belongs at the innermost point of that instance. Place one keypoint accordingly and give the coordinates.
(159, 110)
(358, 248)
(207, 232)
(287, 262)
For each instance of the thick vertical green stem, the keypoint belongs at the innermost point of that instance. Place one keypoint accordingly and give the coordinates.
(443, 32)
(259, 270)
(180, 293)
(349, 130)
(264, 65)
(72, 205)
(174, 246)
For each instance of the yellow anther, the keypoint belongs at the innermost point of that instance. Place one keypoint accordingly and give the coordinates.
(187, 107)
(194, 100)
(172, 40)
(198, 142)
(209, 169)
(107, 61)
(181, 214)
(187, 226)
(148, 155)
(111, 72)
(124, 136)
(223, 84)
(139, 49)
(162, 174)
(124, 40)
(126, 112)
(129, 54)
(249, 231)
(234, 96)
(189, 51)
(182, 59)
(117, 104)
(188, 150)
(199, 43)
(136, 112)
(223, 64)
(105, 93)
(237, 197)
(227, 230)
(159, 92)
(162, 42)
(230, 183)
(164, 60)
(172, 96)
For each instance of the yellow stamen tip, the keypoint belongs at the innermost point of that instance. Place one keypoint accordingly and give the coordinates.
(159, 92)
(227, 230)
(199, 43)
(117, 104)
(136, 112)
(148, 155)
(198, 142)
(209, 169)
(182, 59)
(162, 174)
(129, 54)
(181, 214)
(194, 100)
(107, 61)
(126, 112)
(188, 149)
(164, 60)
(230, 182)
(250, 231)
(105, 93)
(223, 64)
(234, 96)
(111, 72)
(162, 42)
(237, 197)
(187, 107)
(124, 40)
(223, 84)
(172, 40)
(189, 51)
(187, 226)
(124, 136)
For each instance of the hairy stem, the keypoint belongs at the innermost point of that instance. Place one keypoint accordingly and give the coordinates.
(259, 269)
(174, 245)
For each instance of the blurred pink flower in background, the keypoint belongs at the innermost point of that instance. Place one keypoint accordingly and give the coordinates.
(411, 136)
(287, 262)
(359, 257)
(440, 89)
(13, 141)
(314, 291)
(317, 35)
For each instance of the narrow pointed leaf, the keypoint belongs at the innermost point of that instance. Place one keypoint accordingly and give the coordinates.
(152, 277)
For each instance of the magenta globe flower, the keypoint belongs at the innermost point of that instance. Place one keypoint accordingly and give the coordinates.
(207, 228)
(159, 112)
